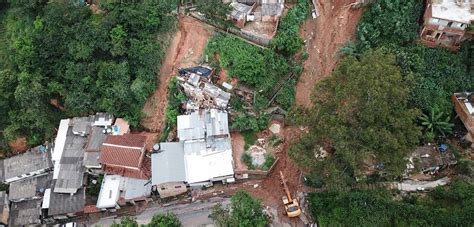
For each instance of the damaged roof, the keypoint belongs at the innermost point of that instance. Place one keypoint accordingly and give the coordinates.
(25, 213)
(35, 159)
(29, 188)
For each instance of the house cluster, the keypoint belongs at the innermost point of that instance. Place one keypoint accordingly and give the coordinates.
(255, 10)
(196, 83)
(203, 154)
(49, 182)
(446, 23)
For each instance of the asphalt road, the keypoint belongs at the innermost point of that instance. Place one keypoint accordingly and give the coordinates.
(193, 214)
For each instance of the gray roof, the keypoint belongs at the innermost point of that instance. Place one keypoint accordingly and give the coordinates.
(218, 144)
(71, 170)
(27, 162)
(239, 10)
(271, 9)
(100, 119)
(220, 96)
(25, 213)
(95, 139)
(91, 159)
(191, 127)
(2, 201)
(66, 203)
(81, 125)
(168, 164)
(216, 123)
(196, 148)
(2, 171)
(29, 188)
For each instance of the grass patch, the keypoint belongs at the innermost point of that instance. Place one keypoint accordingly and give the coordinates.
(269, 160)
(247, 159)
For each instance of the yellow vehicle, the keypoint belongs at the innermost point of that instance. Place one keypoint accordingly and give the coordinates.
(292, 207)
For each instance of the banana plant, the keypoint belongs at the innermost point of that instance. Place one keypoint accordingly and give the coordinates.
(437, 122)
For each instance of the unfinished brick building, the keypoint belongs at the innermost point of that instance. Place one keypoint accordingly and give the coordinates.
(464, 107)
(445, 22)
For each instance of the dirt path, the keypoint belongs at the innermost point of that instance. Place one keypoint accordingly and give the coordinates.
(324, 36)
(185, 50)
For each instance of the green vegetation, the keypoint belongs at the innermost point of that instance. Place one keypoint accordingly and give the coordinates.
(269, 160)
(436, 123)
(352, 120)
(62, 53)
(126, 222)
(247, 159)
(245, 212)
(259, 68)
(451, 206)
(438, 72)
(158, 220)
(94, 189)
(287, 41)
(176, 98)
(165, 220)
(215, 11)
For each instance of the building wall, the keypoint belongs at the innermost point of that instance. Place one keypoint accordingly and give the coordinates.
(26, 175)
(171, 189)
(465, 117)
(441, 32)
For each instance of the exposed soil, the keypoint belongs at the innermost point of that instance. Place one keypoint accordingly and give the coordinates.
(324, 36)
(19, 144)
(185, 50)
(238, 144)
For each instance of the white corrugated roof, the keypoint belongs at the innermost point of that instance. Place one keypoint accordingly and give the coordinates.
(60, 140)
(205, 163)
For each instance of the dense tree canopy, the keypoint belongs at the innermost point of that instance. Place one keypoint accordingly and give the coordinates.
(245, 212)
(361, 117)
(442, 207)
(394, 26)
(63, 59)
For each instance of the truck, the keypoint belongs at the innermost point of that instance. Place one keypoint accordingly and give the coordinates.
(292, 207)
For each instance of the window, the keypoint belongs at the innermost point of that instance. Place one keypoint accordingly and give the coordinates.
(177, 186)
(434, 20)
(450, 24)
(163, 188)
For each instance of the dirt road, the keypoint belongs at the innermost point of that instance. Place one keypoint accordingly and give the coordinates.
(324, 36)
(185, 50)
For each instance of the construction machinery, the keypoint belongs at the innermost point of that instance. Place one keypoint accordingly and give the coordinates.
(292, 207)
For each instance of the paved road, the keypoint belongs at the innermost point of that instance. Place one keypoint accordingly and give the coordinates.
(410, 185)
(193, 214)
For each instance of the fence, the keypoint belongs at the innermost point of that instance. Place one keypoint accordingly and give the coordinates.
(251, 38)
(254, 174)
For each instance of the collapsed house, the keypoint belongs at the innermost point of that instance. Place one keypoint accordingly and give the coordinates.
(464, 107)
(429, 160)
(196, 83)
(202, 156)
(445, 23)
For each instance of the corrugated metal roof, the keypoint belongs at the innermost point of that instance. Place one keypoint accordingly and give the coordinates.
(67, 203)
(29, 188)
(95, 140)
(27, 162)
(216, 123)
(71, 173)
(191, 127)
(168, 164)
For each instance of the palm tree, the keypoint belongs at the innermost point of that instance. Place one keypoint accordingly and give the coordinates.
(437, 122)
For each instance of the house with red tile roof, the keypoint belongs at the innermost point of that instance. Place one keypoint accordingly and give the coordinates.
(125, 155)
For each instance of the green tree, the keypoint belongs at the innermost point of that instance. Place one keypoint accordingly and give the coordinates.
(126, 222)
(245, 212)
(436, 122)
(214, 10)
(165, 220)
(361, 117)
